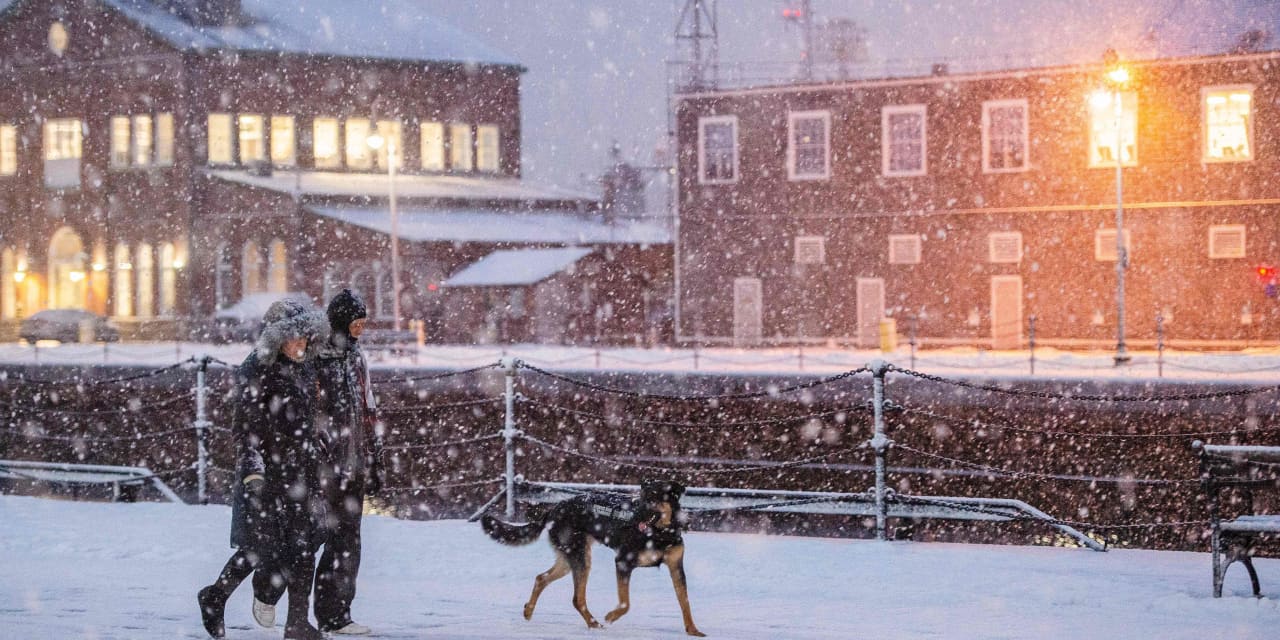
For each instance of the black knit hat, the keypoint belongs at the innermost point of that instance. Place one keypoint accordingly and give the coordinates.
(345, 308)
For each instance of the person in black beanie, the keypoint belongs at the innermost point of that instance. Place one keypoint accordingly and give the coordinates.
(350, 467)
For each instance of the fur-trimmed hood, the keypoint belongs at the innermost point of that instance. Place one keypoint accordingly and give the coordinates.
(289, 319)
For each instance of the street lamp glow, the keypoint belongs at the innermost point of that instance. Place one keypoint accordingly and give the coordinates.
(19, 276)
(76, 276)
(375, 141)
(1101, 99)
(1118, 75)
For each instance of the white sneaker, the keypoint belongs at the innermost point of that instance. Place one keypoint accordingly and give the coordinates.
(353, 629)
(264, 614)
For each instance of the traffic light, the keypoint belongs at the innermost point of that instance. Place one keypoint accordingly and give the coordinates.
(1267, 277)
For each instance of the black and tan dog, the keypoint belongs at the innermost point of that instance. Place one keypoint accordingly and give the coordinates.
(645, 532)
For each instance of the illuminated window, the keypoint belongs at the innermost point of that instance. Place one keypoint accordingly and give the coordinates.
(904, 249)
(164, 139)
(1004, 136)
(251, 270)
(1228, 124)
(144, 267)
(432, 146)
(359, 154)
(460, 143)
(277, 267)
(220, 138)
(717, 149)
(142, 141)
(902, 133)
(390, 132)
(284, 149)
(324, 143)
(1102, 128)
(168, 279)
(62, 151)
(124, 282)
(8, 150)
(120, 141)
(808, 144)
(487, 148)
(252, 139)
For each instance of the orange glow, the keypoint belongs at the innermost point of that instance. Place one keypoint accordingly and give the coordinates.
(1118, 75)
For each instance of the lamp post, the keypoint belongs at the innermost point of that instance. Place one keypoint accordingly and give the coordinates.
(1117, 76)
(375, 142)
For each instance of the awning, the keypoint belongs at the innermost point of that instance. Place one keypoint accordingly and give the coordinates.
(418, 224)
(516, 267)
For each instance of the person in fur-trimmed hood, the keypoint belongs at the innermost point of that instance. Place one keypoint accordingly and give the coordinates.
(276, 510)
(347, 422)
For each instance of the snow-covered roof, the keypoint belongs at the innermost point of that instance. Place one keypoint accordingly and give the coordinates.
(490, 226)
(516, 267)
(377, 29)
(377, 185)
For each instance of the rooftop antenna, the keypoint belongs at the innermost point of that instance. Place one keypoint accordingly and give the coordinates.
(698, 32)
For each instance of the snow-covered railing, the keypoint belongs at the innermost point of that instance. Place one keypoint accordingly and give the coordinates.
(87, 474)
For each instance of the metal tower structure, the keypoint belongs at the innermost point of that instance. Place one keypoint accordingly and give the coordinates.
(698, 38)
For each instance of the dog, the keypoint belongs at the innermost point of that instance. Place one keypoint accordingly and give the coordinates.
(644, 531)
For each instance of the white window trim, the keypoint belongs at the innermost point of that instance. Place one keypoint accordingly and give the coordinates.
(1110, 244)
(792, 117)
(919, 250)
(1227, 228)
(820, 241)
(702, 123)
(886, 145)
(991, 246)
(1204, 122)
(987, 106)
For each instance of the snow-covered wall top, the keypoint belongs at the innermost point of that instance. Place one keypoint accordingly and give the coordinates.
(375, 29)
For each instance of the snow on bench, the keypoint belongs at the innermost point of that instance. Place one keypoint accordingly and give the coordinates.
(91, 474)
(1242, 468)
(717, 499)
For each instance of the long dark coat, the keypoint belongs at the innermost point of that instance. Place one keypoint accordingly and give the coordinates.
(348, 410)
(274, 429)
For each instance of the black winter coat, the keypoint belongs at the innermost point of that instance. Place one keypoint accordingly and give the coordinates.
(273, 428)
(347, 410)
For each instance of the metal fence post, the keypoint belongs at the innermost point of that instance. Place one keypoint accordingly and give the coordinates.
(879, 442)
(510, 365)
(912, 340)
(1031, 336)
(800, 356)
(201, 424)
(1160, 345)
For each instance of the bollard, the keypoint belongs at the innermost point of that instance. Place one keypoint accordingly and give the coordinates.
(510, 365)
(912, 341)
(800, 355)
(1031, 337)
(597, 357)
(695, 356)
(201, 424)
(105, 357)
(880, 443)
(1160, 345)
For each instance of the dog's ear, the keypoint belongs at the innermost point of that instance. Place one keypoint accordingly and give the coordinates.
(676, 489)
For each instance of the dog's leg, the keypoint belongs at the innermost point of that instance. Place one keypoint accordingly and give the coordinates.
(558, 570)
(675, 565)
(624, 593)
(581, 570)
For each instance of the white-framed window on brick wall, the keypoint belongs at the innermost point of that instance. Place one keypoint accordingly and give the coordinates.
(1104, 245)
(1228, 123)
(1005, 136)
(8, 150)
(717, 149)
(811, 250)
(903, 140)
(1004, 247)
(1227, 241)
(904, 248)
(809, 145)
(1102, 129)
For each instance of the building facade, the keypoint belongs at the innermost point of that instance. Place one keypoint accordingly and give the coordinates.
(964, 205)
(161, 160)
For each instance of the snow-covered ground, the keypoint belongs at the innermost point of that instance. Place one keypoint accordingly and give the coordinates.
(119, 571)
(1259, 364)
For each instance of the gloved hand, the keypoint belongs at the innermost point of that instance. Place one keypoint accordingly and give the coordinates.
(254, 487)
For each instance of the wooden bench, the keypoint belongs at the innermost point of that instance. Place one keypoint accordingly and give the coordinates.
(123, 481)
(1240, 469)
(712, 499)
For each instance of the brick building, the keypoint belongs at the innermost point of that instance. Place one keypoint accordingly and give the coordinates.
(964, 204)
(163, 159)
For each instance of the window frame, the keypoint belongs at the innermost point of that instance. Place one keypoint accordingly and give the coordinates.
(1137, 110)
(1244, 241)
(435, 153)
(1098, 244)
(886, 140)
(242, 119)
(74, 154)
(142, 148)
(819, 241)
(462, 157)
(987, 107)
(793, 173)
(165, 139)
(120, 150)
(992, 256)
(228, 131)
(488, 157)
(1251, 125)
(735, 152)
(8, 150)
(893, 257)
(291, 158)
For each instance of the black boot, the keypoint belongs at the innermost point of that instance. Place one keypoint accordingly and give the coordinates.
(302, 631)
(213, 603)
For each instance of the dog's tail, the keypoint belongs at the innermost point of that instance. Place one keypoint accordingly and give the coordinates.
(516, 534)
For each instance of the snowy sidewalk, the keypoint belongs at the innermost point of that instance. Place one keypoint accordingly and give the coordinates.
(130, 572)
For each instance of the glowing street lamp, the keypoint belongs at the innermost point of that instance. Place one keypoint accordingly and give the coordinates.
(375, 142)
(1117, 77)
